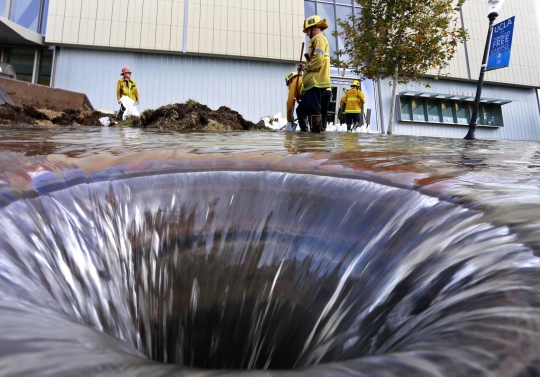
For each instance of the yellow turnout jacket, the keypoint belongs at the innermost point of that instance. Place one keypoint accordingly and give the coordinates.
(129, 90)
(317, 69)
(355, 101)
(297, 80)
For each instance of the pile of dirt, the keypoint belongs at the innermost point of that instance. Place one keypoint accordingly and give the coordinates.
(82, 117)
(196, 117)
(13, 115)
(189, 116)
(27, 115)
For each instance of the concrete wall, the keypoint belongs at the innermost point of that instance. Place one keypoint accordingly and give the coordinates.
(266, 29)
(253, 88)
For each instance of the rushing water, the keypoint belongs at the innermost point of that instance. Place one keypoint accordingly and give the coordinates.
(133, 253)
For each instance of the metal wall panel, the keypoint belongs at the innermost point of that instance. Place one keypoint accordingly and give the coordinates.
(237, 28)
(253, 88)
(521, 117)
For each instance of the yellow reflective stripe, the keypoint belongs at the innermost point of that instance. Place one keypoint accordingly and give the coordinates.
(321, 85)
(353, 111)
(353, 99)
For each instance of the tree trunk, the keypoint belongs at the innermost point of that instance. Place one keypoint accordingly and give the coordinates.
(393, 101)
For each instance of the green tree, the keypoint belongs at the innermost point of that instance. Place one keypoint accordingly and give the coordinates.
(402, 39)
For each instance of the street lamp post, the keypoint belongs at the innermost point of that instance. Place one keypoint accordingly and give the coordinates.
(494, 6)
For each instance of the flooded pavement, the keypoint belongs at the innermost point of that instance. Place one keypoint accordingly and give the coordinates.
(133, 253)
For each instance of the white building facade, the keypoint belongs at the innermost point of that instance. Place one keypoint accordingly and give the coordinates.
(236, 53)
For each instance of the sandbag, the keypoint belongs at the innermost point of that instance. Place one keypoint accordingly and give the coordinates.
(129, 105)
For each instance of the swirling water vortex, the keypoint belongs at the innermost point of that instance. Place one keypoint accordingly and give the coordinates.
(270, 272)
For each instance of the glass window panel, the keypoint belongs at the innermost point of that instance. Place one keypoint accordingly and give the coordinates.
(462, 113)
(405, 108)
(327, 11)
(44, 17)
(447, 112)
(469, 106)
(418, 109)
(342, 13)
(433, 108)
(346, 2)
(25, 13)
(3, 8)
(498, 120)
(488, 115)
(22, 60)
(332, 106)
(309, 9)
(45, 68)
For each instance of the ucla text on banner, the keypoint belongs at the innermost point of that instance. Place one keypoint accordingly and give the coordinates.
(501, 44)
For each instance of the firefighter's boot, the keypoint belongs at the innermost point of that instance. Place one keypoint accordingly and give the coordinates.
(315, 123)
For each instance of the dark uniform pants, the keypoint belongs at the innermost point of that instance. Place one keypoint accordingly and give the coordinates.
(312, 101)
(353, 118)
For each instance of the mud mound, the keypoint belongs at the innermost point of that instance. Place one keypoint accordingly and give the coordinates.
(28, 115)
(191, 116)
(197, 117)
(34, 114)
(14, 115)
(82, 117)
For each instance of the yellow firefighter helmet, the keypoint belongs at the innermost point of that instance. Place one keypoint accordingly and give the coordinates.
(355, 83)
(315, 21)
(290, 76)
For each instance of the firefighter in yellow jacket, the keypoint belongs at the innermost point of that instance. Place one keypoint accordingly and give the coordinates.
(126, 87)
(316, 71)
(294, 83)
(355, 105)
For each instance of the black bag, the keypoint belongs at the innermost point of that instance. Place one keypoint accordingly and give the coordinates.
(341, 114)
(120, 114)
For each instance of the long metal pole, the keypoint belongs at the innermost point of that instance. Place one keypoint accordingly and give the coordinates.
(471, 135)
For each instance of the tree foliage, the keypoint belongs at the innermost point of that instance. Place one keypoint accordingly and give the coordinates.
(402, 39)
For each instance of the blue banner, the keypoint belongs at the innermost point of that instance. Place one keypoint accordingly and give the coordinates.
(501, 44)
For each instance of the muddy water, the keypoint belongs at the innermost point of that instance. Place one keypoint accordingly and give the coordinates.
(137, 253)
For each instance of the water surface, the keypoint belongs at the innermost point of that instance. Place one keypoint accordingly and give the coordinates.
(137, 253)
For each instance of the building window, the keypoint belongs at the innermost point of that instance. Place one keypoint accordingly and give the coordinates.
(31, 14)
(26, 13)
(488, 116)
(45, 67)
(462, 113)
(44, 13)
(331, 10)
(328, 11)
(405, 109)
(447, 112)
(22, 59)
(432, 110)
(418, 111)
(310, 8)
(3, 6)
(30, 64)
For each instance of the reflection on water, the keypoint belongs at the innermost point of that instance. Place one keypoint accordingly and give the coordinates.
(333, 254)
